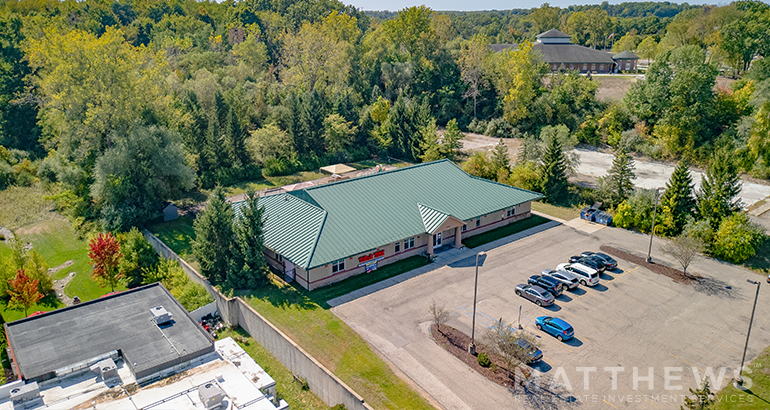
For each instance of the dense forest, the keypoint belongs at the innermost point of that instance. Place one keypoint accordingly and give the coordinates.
(119, 106)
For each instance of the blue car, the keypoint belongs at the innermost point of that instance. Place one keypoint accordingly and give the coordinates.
(555, 327)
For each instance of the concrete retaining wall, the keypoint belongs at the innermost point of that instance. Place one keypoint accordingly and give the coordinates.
(209, 309)
(321, 381)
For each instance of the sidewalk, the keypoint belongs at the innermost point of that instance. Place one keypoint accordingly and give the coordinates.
(448, 257)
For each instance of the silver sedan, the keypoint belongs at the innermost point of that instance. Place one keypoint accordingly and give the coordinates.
(536, 294)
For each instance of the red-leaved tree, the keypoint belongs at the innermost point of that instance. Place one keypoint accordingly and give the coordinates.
(23, 291)
(105, 258)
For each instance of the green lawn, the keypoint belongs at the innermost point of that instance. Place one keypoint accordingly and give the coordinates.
(757, 397)
(332, 342)
(177, 235)
(503, 231)
(322, 295)
(562, 212)
(286, 387)
(56, 241)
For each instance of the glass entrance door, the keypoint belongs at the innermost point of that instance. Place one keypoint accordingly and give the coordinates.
(437, 240)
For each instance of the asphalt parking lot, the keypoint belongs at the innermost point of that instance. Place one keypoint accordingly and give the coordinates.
(654, 335)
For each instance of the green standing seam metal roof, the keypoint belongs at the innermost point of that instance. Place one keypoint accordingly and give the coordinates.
(319, 225)
(431, 218)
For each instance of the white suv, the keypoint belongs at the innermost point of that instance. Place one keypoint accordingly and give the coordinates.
(588, 276)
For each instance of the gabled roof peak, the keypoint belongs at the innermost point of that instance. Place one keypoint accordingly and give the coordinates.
(553, 33)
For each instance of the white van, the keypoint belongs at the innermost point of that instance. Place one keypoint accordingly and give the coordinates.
(587, 275)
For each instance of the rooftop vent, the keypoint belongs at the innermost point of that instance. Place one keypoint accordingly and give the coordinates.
(211, 395)
(106, 368)
(160, 315)
(21, 396)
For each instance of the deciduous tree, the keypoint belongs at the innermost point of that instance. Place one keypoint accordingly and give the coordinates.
(104, 251)
(473, 64)
(24, 292)
(684, 249)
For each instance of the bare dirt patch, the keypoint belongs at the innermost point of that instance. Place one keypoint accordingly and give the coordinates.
(456, 343)
(478, 142)
(613, 88)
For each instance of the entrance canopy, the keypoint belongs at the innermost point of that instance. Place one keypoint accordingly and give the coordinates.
(337, 169)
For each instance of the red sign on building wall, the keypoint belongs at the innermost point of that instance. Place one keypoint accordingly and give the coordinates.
(375, 254)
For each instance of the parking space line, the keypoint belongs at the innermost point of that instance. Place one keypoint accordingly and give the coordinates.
(727, 347)
(601, 329)
(609, 403)
(679, 358)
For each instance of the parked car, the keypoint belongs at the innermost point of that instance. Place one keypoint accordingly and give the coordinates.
(536, 294)
(609, 262)
(535, 354)
(548, 283)
(569, 280)
(590, 261)
(555, 327)
(587, 276)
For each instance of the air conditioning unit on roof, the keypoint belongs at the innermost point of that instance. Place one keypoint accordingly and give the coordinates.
(160, 315)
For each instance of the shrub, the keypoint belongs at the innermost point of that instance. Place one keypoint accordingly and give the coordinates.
(483, 360)
(737, 239)
(276, 167)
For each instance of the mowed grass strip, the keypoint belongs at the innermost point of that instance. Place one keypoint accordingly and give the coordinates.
(286, 387)
(326, 293)
(561, 212)
(756, 397)
(178, 235)
(333, 343)
(503, 231)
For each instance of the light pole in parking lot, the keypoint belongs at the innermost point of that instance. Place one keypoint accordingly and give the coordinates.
(652, 231)
(746, 346)
(472, 346)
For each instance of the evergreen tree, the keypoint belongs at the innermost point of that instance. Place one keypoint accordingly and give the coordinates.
(501, 162)
(553, 172)
(701, 397)
(234, 143)
(617, 185)
(311, 118)
(249, 267)
(452, 140)
(720, 186)
(213, 238)
(678, 201)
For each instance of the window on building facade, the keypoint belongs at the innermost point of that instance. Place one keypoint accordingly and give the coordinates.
(593, 67)
(585, 67)
(511, 212)
(338, 266)
(278, 257)
(408, 243)
(478, 222)
(398, 247)
(628, 65)
(465, 227)
(601, 67)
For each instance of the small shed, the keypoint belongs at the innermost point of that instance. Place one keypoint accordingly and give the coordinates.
(170, 212)
(338, 169)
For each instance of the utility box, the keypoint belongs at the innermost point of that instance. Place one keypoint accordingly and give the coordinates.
(21, 396)
(106, 368)
(160, 315)
(211, 395)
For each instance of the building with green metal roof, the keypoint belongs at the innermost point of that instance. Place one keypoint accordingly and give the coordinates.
(323, 234)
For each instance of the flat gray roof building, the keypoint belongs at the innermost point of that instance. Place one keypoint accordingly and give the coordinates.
(65, 340)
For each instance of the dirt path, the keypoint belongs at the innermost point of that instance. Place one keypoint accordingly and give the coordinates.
(59, 285)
